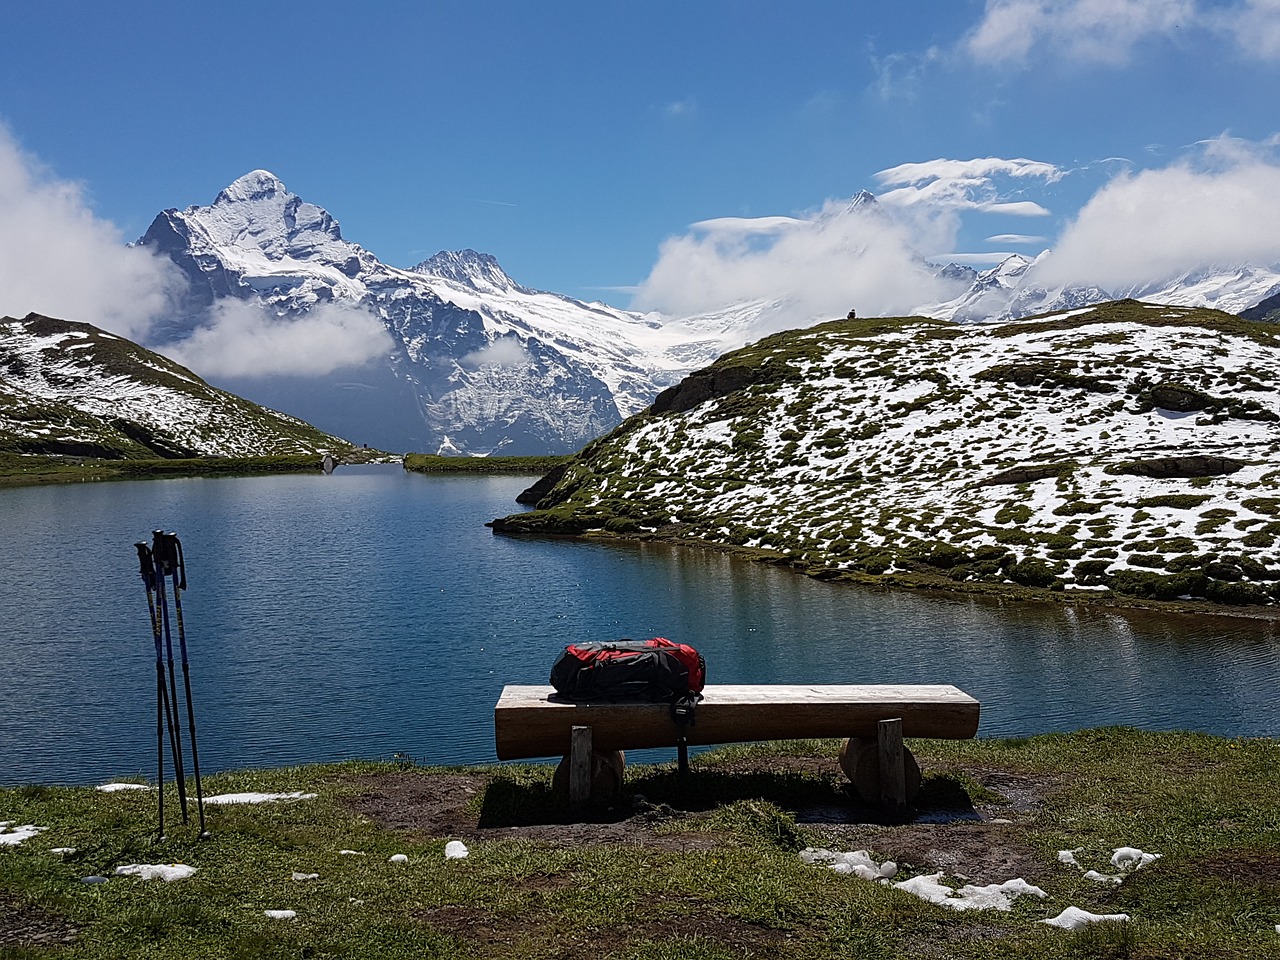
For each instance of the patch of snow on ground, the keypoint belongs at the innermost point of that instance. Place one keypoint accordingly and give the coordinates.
(994, 896)
(281, 914)
(857, 862)
(1131, 858)
(156, 871)
(257, 797)
(1073, 918)
(455, 850)
(1124, 859)
(11, 836)
(1097, 877)
(118, 787)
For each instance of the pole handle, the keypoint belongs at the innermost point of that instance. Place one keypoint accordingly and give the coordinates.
(146, 564)
(169, 558)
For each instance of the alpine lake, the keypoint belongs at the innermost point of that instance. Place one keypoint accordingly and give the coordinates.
(370, 614)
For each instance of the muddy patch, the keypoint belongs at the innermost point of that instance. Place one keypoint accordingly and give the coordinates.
(25, 925)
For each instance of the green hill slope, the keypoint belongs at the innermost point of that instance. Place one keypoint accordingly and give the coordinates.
(1129, 448)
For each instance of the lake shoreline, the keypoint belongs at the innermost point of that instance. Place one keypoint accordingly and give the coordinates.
(919, 582)
(115, 471)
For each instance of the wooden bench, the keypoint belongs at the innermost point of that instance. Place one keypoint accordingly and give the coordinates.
(530, 722)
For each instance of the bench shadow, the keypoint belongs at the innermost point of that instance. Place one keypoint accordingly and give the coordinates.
(811, 800)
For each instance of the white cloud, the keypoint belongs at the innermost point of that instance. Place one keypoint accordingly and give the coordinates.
(503, 352)
(899, 75)
(747, 226)
(1106, 31)
(58, 259)
(1089, 30)
(980, 170)
(1221, 205)
(687, 107)
(1256, 27)
(933, 194)
(1016, 238)
(242, 339)
(818, 266)
(864, 256)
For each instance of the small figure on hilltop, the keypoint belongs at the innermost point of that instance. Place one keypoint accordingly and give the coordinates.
(853, 315)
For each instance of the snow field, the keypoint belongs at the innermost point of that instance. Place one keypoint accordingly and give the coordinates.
(893, 450)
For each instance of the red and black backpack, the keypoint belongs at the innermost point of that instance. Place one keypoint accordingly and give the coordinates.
(656, 670)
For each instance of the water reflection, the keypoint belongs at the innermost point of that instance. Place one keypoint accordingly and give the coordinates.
(370, 612)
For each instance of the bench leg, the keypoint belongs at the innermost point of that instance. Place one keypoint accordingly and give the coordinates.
(579, 764)
(585, 773)
(860, 760)
(893, 774)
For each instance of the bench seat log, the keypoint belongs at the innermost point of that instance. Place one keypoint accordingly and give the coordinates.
(529, 723)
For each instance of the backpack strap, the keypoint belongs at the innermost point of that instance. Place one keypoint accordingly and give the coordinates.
(682, 713)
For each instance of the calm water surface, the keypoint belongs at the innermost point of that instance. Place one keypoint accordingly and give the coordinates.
(370, 612)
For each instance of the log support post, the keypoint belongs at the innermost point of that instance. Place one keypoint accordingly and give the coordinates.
(579, 764)
(893, 772)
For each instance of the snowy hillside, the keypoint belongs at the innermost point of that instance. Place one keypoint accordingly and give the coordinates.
(70, 388)
(476, 363)
(1130, 447)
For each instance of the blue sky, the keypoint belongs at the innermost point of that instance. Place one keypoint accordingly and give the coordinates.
(580, 142)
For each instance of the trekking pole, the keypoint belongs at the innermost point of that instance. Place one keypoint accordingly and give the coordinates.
(148, 570)
(178, 572)
(162, 567)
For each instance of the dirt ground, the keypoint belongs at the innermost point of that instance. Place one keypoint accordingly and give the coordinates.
(24, 925)
(945, 830)
(982, 842)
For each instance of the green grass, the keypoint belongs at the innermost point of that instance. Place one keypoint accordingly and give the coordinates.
(718, 876)
(430, 463)
(17, 471)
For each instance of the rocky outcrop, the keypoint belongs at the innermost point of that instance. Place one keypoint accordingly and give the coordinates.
(704, 385)
(1268, 311)
(1188, 467)
(535, 493)
(1026, 474)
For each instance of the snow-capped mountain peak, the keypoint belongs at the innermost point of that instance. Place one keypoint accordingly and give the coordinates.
(257, 214)
(255, 185)
(1015, 288)
(479, 364)
(479, 271)
(863, 202)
